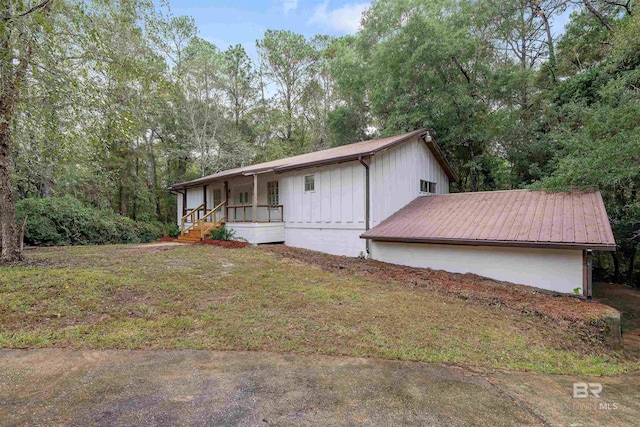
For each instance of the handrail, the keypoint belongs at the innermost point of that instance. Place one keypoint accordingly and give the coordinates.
(192, 211)
(244, 212)
(184, 219)
(213, 212)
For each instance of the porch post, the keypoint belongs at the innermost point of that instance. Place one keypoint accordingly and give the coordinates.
(255, 198)
(226, 200)
(204, 197)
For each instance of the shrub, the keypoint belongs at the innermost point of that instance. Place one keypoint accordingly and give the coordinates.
(173, 230)
(67, 221)
(222, 233)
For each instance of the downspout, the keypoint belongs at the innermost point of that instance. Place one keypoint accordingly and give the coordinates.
(367, 198)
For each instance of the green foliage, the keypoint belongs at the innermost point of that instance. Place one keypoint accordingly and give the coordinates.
(173, 230)
(64, 220)
(222, 233)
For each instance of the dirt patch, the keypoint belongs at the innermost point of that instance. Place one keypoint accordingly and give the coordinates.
(167, 239)
(26, 262)
(568, 309)
(229, 244)
(161, 244)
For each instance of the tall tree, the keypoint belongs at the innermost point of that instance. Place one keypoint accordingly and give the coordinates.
(288, 61)
(21, 25)
(239, 82)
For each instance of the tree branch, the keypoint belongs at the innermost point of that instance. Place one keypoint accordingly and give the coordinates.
(33, 9)
(597, 14)
(626, 6)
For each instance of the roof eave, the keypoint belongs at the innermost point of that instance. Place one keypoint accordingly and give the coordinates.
(503, 243)
(420, 133)
(439, 155)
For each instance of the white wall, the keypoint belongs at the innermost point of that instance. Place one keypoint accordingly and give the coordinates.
(559, 270)
(338, 200)
(194, 197)
(396, 175)
(334, 241)
(257, 233)
(331, 218)
(179, 213)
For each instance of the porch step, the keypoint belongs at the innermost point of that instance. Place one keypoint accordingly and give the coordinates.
(205, 225)
(193, 234)
(188, 239)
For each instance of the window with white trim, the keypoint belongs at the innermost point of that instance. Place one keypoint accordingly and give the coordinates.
(427, 186)
(273, 196)
(310, 183)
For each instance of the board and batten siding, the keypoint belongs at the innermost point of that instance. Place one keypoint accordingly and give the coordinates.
(331, 217)
(194, 199)
(559, 270)
(396, 175)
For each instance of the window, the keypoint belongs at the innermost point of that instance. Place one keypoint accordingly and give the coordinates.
(243, 198)
(427, 186)
(273, 196)
(310, 183)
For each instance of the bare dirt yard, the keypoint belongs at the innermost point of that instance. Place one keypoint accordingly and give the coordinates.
(279, 299)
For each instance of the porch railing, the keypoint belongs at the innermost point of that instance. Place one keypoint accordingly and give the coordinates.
(265, 213)
(191, 216)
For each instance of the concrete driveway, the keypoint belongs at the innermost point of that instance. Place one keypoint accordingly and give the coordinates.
(112, 388)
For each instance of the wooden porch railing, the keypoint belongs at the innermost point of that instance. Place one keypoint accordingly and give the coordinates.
(190, 214)
(213, 212)
(270, 216)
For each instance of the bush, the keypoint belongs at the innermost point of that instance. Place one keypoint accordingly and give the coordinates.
(173, 230)
(58, 221)
(222, 233)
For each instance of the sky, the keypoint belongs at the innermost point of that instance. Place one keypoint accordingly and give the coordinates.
(229, 22)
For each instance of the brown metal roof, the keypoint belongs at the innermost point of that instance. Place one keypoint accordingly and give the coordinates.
(340, 154)
(502, 218)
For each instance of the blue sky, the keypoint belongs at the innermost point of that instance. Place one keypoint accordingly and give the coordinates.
(228, 22)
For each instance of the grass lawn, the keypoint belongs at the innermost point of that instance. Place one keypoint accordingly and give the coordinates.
(204, 297)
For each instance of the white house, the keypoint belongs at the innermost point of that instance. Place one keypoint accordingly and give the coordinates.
(389, 199)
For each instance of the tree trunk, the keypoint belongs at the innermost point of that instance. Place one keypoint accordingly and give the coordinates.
(122, 201)
(473, 170)
(616, 267)
(8, 227)
(552, 54)
(630, 271)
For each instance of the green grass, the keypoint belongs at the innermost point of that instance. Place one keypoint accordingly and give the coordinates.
(201, 297)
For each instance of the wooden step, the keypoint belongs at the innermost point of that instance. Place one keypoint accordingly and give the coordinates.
(188, 239)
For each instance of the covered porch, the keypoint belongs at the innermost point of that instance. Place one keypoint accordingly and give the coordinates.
(248, 204)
